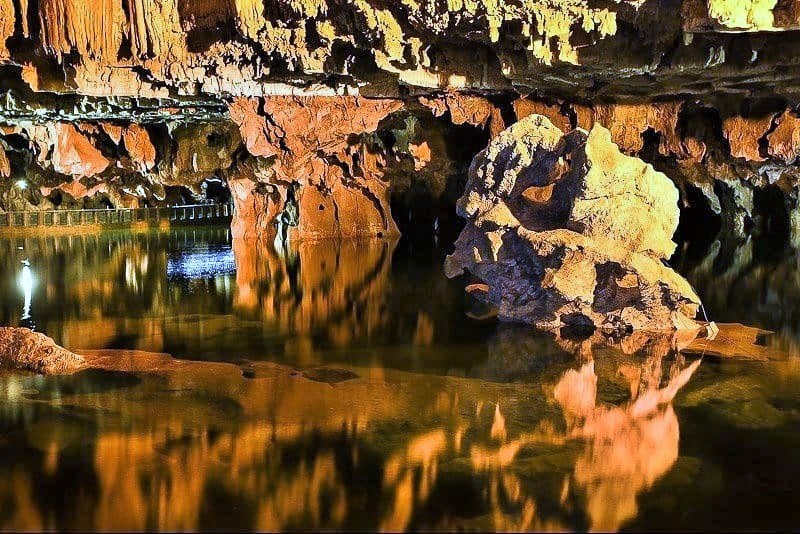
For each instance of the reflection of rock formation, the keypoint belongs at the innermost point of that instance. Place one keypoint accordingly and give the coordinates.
(89, 289)
(177, 292)
(339, 289)
(628, 446)
(567, 230)
(166, 456)
(329, 448)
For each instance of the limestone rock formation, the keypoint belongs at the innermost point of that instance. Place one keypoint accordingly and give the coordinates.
(705, 90)
(174, 48)
(469, 109)
(566, 230)
(23, 349)
(299, 167)
(323, 168)
(5, 165)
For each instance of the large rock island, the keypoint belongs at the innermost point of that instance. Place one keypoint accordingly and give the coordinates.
(566, 230)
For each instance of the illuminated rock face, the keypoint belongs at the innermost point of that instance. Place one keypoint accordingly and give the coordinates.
(566, 230)
(325, 174)
(126, 99)
(165, 48)
(31, 351)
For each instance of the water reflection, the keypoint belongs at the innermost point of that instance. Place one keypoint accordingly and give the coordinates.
(26, 283)
(347, 389)
(754, 280)
(209, 263)
(629, 432)
(196, 295)
(193, 445)
(337, 290)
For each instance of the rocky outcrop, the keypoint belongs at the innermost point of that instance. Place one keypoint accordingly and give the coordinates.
(25, 350)
(97, 164)
(358, 153)
(257, 47)
(704, 90)
(325, 169)
(298, 167)
(466, 109)
(566, 230)
(5, 165)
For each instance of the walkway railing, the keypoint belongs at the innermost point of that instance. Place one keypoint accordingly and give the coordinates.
(176, 215)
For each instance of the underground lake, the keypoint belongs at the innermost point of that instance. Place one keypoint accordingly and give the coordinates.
(412, 265)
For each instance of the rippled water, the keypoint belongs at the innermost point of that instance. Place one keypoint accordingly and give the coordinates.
(345, 387)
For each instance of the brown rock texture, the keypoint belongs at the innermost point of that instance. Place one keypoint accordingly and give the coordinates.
(466, 109)
(5, 165)
(523, 107)
(783, 142)
(298, 167)
(324, 169)
(176, 48)
(588, 252)
(108, 92)
(23, 349)
(743, 135)
(139, 146)
(258, 47)
(74, 154)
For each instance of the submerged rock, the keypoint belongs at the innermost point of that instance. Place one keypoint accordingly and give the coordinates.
(21, 348)
(567, 230)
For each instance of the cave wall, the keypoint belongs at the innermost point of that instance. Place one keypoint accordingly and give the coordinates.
(316, 167)
(320, 114)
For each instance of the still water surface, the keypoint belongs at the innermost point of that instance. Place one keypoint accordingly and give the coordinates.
(344, 387)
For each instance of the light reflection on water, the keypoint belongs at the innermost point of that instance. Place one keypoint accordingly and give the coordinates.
(196, 296)
(347, 389)
(200, 446)
(210, 263)
(26, 284)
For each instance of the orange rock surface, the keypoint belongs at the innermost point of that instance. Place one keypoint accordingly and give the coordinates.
(784, 142)
(744, 134)
(318, 148)
(23, 349)
(466, 109)
(74, 154)
(139, 146)
(5, 165)
(524, 107)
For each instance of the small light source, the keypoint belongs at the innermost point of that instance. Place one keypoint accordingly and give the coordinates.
(22, 184)
(26, 284)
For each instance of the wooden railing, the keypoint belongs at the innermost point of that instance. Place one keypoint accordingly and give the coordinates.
(175, 215)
